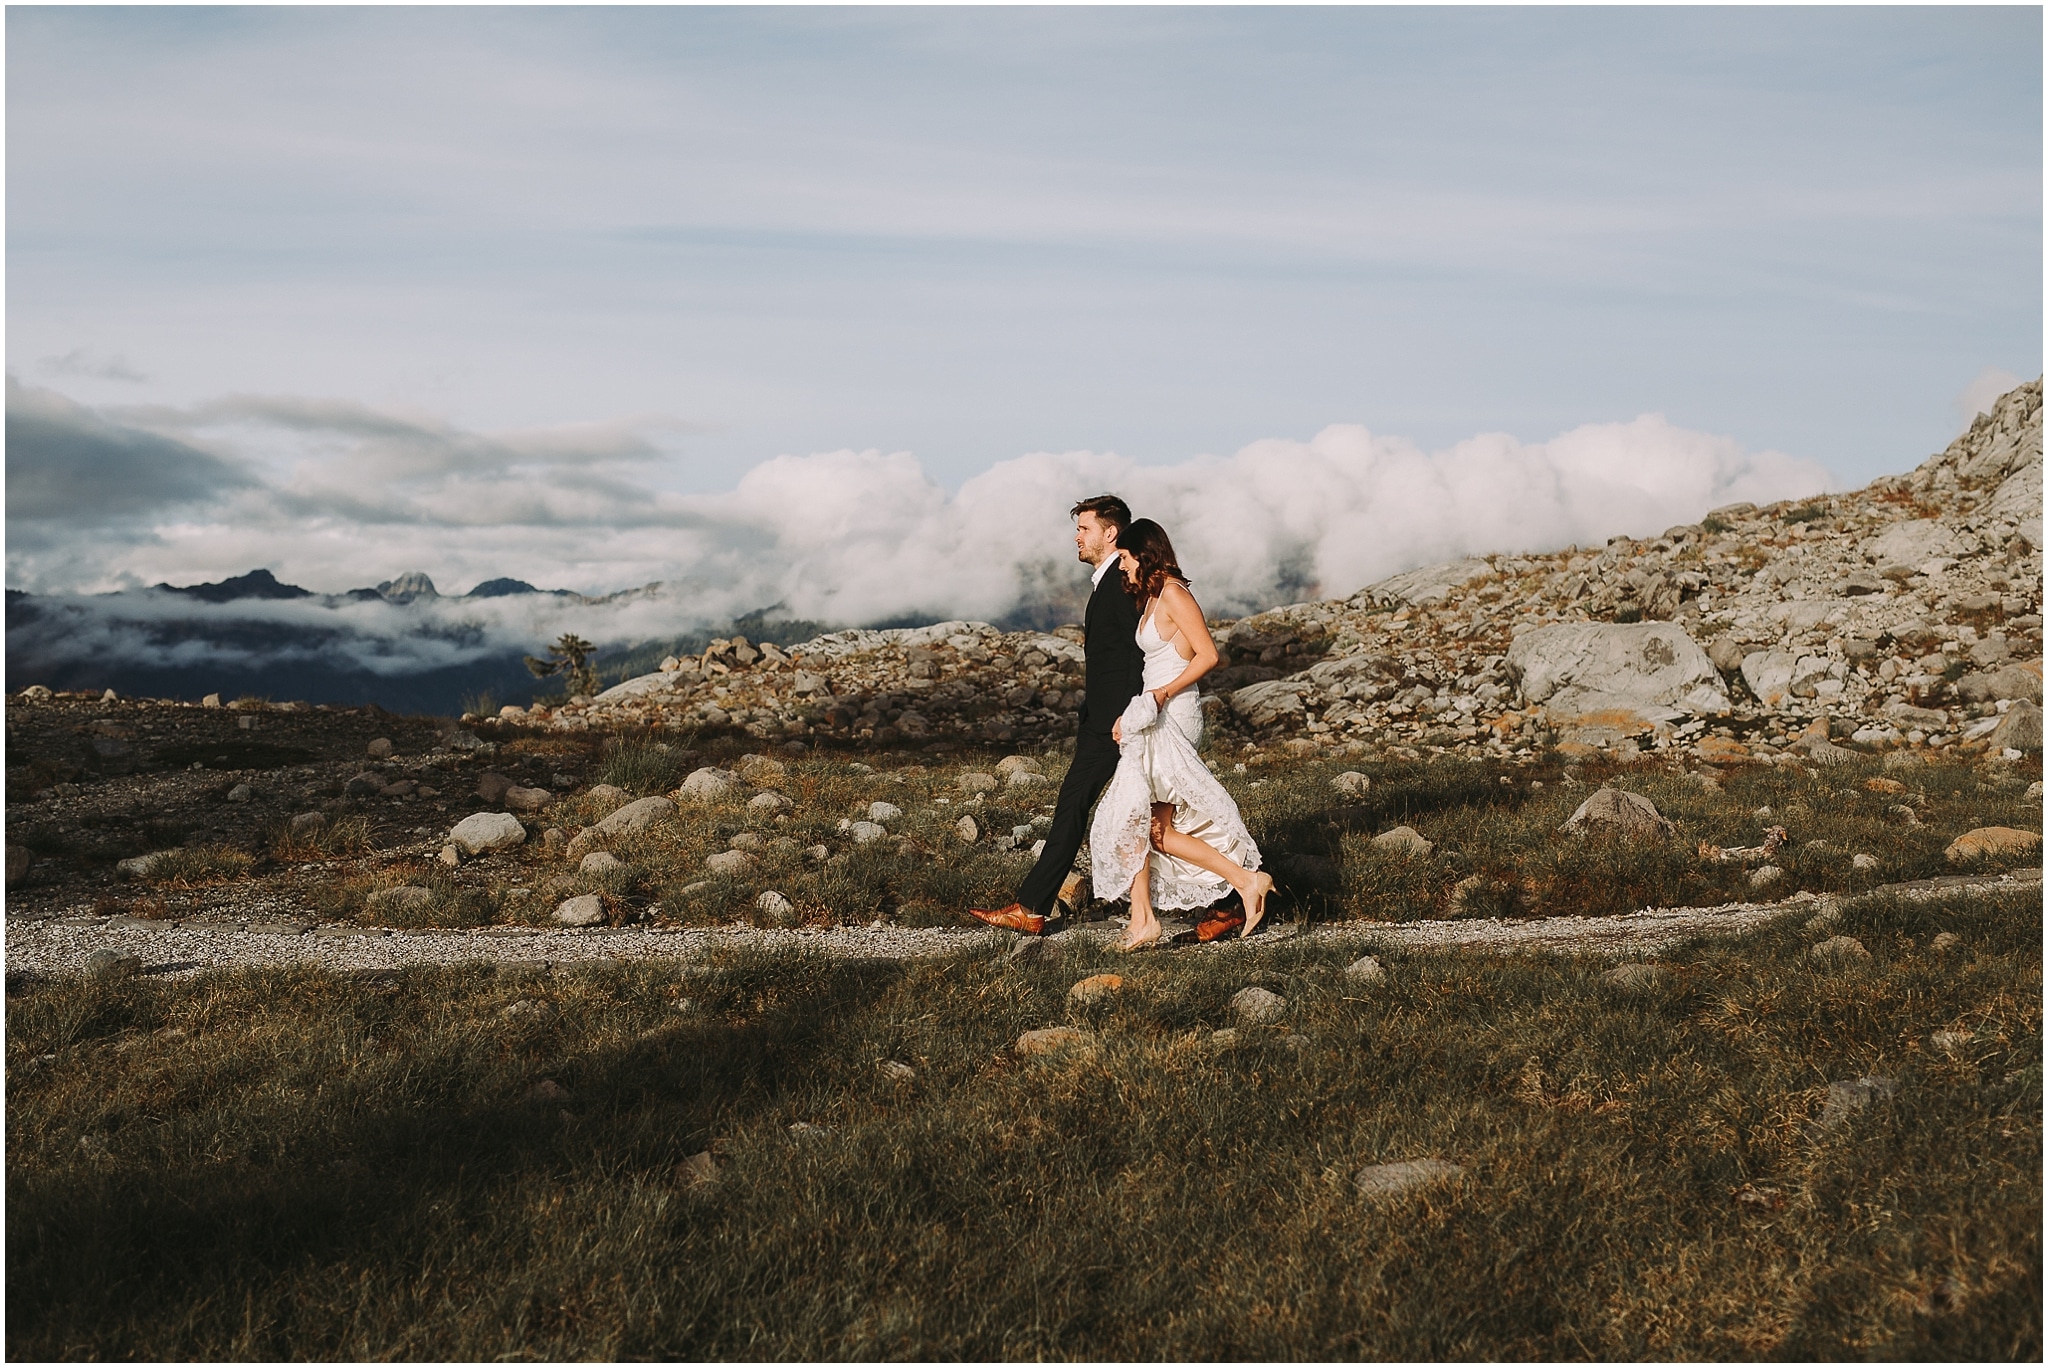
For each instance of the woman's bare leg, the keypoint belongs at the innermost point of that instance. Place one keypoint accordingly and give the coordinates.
(1252, 887)
(1144, 927)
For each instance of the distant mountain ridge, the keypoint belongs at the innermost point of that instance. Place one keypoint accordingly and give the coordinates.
(413, 584)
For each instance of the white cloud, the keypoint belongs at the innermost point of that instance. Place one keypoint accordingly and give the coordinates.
(843, 537)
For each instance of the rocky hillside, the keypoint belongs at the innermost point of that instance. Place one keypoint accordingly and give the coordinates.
(1907, 613)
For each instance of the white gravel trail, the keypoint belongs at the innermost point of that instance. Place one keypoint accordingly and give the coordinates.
(61, 946)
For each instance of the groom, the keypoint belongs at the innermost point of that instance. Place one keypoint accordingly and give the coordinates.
(1116, 670)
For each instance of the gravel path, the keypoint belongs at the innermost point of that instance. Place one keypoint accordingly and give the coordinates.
(60, 946)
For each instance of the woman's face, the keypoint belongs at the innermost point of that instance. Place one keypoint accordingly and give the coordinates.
(1130, 566)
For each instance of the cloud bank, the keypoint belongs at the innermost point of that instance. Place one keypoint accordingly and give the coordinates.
(334, 495)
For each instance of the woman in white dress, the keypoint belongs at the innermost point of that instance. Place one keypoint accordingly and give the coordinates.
(1166, 832)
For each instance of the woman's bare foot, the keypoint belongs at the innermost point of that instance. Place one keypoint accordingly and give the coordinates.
(1255, 903)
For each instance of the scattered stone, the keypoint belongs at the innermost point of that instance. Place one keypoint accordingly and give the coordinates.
(1048, 1040)
(707, 785)
(1846, 1099)
(1829, 913)
(777, 908)
(450, 856)
(2020, 728)
(818, 854)
(1010, 766)
(368, 784)
(112, 964)
(1617, 812)
(1949, 1042)
(1990, 841)
(1765, 875)
(1257, 1006)
(586, 909)
(636, 817)
(883, 812)
(483, 832)
(491, 787)
(1636, 978)
(974, 781)
(1223, 1039)
(863, 832)
(606, 795)
(967, 829)
(1365, 972)
(749, 841)
(730, 863)
(1388, 1182)
(1945, 941)
(1352, 782)
(1404, 840)
(1840, 951)
(141, 866)
(600, 862)
(1865, 863)
(1095, 988)
(382, 749)
(241, 793)
(1882, 785)
(770, 801)
(896, 1071)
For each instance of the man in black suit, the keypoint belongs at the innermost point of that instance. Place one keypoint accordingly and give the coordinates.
(1115, 672)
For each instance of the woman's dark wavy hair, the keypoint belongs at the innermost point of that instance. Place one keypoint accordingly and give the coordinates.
(1157, 564)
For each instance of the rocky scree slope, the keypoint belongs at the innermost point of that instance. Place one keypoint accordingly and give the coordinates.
(1903, 614)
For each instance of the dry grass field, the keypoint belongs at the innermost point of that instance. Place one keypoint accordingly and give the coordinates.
(791, 1157)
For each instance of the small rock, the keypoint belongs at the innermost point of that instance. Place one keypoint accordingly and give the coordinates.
(1829, 914)
(113, 964)
(1839, 951)
(863, 832)
(212, 700)
(636, 817)
(382, 749)
(1050, 1040)
(1352, 782)
(975, 781)
(1866, 863)
(1095, 988)
(1636, 978)
(449, 856)
(1845, 1099)
(554, 840)
(1010, 766)
(1617, 812)
(606, 795)
(883, 812)
(491, 787)
(708, 784)
(749, 841)
(599, 862)
(1386, 1182)
(1365, 971)
(368, 784)
(1404, 840)
(1944, 942)
(731, 863)
(110, 697)
(770, 801)
(1989, 841)
(1948, 1042)
(586, 909)
(241, 793)
(776, 907)
(1257, 1007)
(1224, 1038)
(141, 866)
(1765, 875)
(818, 854)
(483, 832)
(520, 799)
(896, 1071)
(967, 829)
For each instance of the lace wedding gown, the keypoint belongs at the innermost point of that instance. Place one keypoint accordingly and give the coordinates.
(1159, 765)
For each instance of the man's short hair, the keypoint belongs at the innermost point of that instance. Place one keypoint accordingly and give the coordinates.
(1107, 508)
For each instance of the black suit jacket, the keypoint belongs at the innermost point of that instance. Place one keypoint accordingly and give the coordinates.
(1116, 667)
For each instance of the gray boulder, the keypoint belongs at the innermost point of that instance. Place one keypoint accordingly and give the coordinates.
(2019, 729)
(2021, 679)
(1651, 669)
(707, 784)
(482, 832)
(1269, 702)
(637, 816)
(1404, 840)
(1617, 812)
(584, 910)
(1256, 1006)
(1426, 585)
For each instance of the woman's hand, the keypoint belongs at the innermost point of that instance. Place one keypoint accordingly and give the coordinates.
(1116, 731)
(1159, 696)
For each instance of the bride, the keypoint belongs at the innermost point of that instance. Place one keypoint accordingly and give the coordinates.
(1166, 832)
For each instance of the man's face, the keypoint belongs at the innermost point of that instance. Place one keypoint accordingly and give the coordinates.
(1093, 538)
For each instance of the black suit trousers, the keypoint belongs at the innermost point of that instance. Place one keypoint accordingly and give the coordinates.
(1095, 757)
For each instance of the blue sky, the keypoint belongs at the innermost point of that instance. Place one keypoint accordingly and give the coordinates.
(707, 238)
